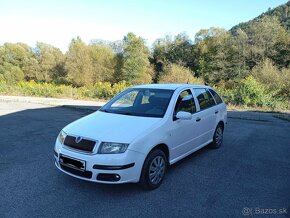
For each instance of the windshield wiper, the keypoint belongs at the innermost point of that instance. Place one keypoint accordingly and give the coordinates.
(118, 112)
(124, 113)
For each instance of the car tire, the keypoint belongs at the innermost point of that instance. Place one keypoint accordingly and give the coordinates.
(217, 137)
(153, 171)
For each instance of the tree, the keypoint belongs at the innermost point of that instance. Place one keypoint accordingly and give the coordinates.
(167, 51)
(79, 63)
(51, 62)
(234, 67)
(135, 60)
(267, 39)
(118, 69)
(103, 62)
(15, 54)
(212, 48)
(15, 61)
(32, 69)
(11, 73)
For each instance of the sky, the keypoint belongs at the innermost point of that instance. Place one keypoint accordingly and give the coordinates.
(57, 22)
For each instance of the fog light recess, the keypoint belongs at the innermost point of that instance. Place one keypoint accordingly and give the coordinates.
(108, 177)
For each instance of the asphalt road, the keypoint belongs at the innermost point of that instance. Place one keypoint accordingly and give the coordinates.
(248, 176)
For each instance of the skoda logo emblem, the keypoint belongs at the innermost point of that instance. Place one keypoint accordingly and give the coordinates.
(78, 139)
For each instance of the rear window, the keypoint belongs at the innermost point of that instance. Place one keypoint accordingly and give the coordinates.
(216, 97)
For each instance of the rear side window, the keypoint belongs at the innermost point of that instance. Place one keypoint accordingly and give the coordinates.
(185, 102)
(216, 97)
(204, 98)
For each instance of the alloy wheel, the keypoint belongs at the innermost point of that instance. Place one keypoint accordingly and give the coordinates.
(156, 170)
(219, 136)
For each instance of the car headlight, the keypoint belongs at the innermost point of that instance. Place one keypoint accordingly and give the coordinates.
(112, 148)
(61, 136)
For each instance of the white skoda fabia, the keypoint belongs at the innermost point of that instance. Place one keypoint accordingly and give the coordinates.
(136, 135)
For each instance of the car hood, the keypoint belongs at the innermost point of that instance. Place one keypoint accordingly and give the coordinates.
(111, 127)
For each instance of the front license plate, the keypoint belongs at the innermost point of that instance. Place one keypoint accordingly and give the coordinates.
(72, 162)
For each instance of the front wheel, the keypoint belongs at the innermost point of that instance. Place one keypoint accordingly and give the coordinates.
(153, 170)
(217, 137)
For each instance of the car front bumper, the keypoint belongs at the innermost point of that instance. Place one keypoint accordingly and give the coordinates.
(102, 168)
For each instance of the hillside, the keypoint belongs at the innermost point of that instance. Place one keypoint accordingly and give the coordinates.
(282, 12)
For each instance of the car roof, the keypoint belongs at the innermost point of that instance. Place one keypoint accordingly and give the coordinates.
(170, 86)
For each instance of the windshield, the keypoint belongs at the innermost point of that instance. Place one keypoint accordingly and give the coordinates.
(140, 102)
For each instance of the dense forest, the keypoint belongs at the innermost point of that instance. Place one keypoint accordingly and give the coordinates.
(249, 64)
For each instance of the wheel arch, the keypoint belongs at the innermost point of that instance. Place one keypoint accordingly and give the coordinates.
(163, 147)
(222, 124)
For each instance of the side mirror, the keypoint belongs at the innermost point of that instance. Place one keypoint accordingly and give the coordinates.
(183, 115)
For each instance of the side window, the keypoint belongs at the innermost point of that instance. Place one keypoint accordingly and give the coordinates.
(216, 97)
(185, 102)
(204, 98)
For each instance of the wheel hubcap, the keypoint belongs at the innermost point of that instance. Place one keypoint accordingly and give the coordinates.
(156, 170)
(219, 136)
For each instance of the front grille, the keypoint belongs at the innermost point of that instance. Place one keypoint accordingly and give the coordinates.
(84, 144)
(85, 174)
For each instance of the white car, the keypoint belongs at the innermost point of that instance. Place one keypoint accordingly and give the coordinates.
(136, 135)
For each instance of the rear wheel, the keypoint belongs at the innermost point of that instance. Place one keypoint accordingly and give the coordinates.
(153, 170)
(217, 137)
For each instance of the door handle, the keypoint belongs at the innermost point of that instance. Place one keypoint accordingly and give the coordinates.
(198, 119)
(216, 112)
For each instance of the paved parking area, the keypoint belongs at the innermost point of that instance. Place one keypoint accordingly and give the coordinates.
(249, 175)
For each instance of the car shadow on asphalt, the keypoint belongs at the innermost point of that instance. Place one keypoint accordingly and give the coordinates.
(30, 135)
(39, 129)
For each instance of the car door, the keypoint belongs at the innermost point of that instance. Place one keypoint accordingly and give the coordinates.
(184, 133)
(220, 108)
(206, 114)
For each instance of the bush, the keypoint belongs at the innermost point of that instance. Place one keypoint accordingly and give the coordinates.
(174, 73)
(105, 90)
(252, 93)
(227, 94)
(275, 80)
(119, 87)
(101, 90)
